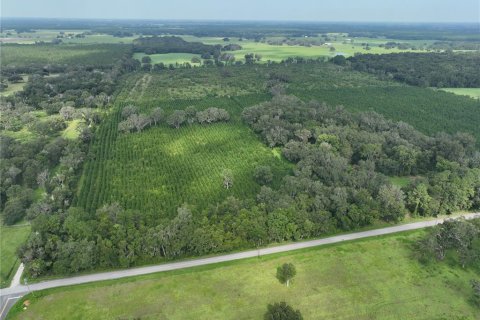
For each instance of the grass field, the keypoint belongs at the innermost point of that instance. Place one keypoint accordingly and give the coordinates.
(169, 58)
(10, 239)
(97, 54)
(374, 278)
(470, 92)
(400, 181)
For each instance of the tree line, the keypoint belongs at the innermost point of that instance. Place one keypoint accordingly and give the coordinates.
(442, 70)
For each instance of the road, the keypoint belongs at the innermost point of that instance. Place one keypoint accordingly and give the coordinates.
(20, 290)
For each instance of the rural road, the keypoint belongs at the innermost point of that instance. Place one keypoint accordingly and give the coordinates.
(9, 295)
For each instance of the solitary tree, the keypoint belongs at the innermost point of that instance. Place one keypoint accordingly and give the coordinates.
(282, 311)
(227, 179)
(286, 272)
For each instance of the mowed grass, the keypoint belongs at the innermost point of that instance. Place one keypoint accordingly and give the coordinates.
(160, 169)
(11, 238)
(470, 92)
(168, 58)
(374, 278)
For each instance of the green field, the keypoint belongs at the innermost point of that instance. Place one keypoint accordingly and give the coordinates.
(162, 168)
(375, 278)
(10, 239)
(97, 54)
(13, 88)
(470, 92)
(169, 58)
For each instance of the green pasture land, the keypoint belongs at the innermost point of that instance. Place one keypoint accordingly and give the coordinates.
(71, 131)
(169, 58)
(470, 92)
(376, 278)
(11, 237)
(97, 55)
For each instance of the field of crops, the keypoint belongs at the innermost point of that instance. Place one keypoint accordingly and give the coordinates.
(160, 169)
(98, 55)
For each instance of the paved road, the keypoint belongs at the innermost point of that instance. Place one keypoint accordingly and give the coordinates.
(20, 290)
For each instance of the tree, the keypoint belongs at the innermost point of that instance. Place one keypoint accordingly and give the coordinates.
(476, 290)
(157, 115)
(146, 59)
(67, 112)
(263, 175)
(286, 272)
(392, 203)
(128, 111)
(177, 118)
(14, 211)
(227, 178)
(139, 122)
(282, 311)
(419, 200)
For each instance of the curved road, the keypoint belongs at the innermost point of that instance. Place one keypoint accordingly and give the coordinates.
(9, 295)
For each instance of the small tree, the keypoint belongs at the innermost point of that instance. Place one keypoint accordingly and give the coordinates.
(157, 115)
(476, 291)
(227, 179)
(177, 118)
(286, 272)
(263, 175)
(146, 59)
(282, 311)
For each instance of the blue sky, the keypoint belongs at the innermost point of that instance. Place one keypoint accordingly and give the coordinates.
(288, 10)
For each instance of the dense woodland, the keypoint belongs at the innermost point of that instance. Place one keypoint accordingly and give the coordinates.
(442, 70)
(339, 183)
(173, 44)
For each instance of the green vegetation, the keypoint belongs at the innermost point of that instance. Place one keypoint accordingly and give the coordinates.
(470, 92)
(161, 168)
(400, 181)
(169, 58)
(11, 238)
(24, 55)
(375, 278)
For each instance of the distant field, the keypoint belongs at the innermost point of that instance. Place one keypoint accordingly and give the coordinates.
(374, 278)
(11, 238)
(470, 92)
(98, 55)
(169, 58)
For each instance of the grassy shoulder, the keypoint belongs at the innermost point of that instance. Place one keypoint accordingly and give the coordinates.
(10, 239)
(375, 278)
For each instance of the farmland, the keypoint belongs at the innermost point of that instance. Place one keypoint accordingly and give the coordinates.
(376, 278)
(170, 167)
(23, 55)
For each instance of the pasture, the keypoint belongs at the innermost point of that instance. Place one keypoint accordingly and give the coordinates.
(376, 278)
(97, 55)
(469, 92)
(169, 58)
(11, 237)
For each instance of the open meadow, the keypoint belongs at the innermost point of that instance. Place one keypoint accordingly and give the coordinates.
(377, 278)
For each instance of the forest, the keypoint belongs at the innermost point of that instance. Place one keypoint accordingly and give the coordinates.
(445, 70)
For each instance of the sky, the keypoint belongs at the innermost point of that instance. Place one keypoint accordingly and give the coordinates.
(276, 10)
